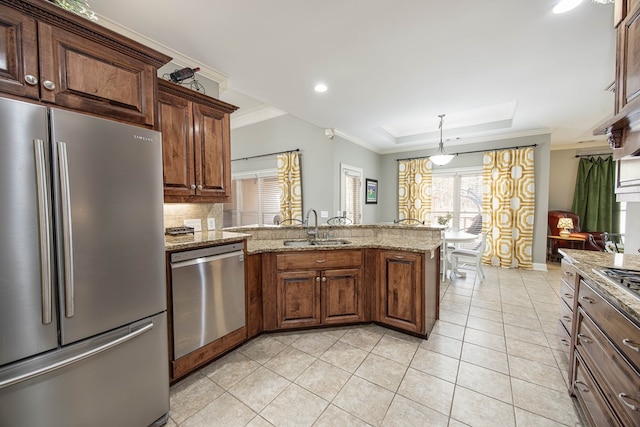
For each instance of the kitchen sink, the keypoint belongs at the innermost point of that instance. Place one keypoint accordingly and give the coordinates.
(302, 243)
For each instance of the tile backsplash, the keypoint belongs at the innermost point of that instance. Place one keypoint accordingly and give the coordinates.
(176, 213)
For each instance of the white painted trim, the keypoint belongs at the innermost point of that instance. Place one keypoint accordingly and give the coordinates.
(254, 114)
(355, 171)
(488, 138)
(539, 266)
(178, 58)
(356, 141)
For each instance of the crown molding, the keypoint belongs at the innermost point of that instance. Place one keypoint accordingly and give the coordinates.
(356, 141)
(254, 114)
(178, 58)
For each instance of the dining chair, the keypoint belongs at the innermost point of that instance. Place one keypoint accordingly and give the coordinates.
(473, 256)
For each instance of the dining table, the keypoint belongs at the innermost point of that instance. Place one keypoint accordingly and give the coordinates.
(454, 238)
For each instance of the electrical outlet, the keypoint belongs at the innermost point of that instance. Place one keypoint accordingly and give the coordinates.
(211, 223)
(195, 223)
(324, 214)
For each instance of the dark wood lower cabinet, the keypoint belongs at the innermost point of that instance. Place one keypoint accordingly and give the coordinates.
(400, 293)
(408, 290)
(307, 295)
(302, 289)
(604, 354)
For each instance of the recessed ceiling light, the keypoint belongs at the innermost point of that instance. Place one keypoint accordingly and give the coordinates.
(566, 5)
(320, 87)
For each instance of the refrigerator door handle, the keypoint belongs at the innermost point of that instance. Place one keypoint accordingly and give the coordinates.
(74, 359)
(45, 230)
(67, 239)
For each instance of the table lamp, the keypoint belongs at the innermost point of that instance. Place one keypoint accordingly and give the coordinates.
(566, 224)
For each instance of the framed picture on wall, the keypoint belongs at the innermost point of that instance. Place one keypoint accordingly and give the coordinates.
(371, 186)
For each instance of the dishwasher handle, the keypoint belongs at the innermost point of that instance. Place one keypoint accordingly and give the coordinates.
(203, 260)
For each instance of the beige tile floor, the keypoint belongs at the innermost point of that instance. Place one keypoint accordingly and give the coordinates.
(493, 359)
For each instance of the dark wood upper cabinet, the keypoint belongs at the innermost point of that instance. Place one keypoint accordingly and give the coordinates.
(57, 57)
(196, 145)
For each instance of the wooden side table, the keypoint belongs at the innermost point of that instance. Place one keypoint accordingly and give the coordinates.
(572, 242)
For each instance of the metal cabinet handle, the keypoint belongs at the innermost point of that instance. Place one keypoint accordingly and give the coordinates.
(583, 337)
(568, 273)
(589, 300)
(45, 232)
(567, 295)
(324, 279)
(567, 318)
(623, 397)
(584, 387)
(317, 278)
(320, 261)
(630, 344)
(200, 187)
(565, 342)
(49, 85)
(193, 186)
(31, 80)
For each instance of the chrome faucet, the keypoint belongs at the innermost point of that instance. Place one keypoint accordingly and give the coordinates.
(313, 232)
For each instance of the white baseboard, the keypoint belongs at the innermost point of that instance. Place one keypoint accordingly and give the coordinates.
(539, 266)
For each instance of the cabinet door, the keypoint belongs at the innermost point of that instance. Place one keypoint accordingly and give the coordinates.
(342, 296)
(298, 299)
(212, 148)
(175, 122)
(628, 58)
(18, 53)
(400, 293)
(86, 76)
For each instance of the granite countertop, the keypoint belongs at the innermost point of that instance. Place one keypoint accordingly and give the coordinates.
(585, 261)
(256, 246)
(391, 243)
(202, 239)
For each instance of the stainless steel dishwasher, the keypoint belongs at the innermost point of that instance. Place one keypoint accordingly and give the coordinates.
(208, 295)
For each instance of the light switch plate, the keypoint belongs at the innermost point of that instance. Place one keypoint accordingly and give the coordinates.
(324, 214)
(195, 223)
(211, 223)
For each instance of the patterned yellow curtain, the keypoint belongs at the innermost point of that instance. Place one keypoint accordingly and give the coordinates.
(414, 189)
(290, 184)
(508, 207)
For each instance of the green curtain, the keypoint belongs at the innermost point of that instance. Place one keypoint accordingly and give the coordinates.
(594, 198)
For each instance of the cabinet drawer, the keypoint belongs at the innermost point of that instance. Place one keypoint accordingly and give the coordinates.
(564, 338)
(569, 276)
(567, 294)
(566, 316)
(593, 403)
(319, 260)
(619, 383)
(624, 334)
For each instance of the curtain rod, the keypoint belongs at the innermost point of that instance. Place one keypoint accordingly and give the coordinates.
(472, 152)
(266, 155)
(593, 155)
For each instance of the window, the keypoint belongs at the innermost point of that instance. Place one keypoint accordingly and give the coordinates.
(458, 193)
(255, 199)
(351, 192)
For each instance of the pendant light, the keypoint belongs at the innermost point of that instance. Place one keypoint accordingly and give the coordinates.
(441, 158)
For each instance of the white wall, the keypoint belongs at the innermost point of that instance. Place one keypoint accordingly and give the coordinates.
(562, 176)
(319, 159)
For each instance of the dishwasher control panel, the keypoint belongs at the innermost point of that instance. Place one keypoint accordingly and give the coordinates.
(206, 252)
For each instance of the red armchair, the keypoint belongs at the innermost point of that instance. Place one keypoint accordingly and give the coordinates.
(593, 239)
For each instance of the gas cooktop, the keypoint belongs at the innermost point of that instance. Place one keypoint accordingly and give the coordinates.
(628, 280)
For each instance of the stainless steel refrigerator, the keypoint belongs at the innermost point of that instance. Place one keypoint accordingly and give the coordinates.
(83, 338)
